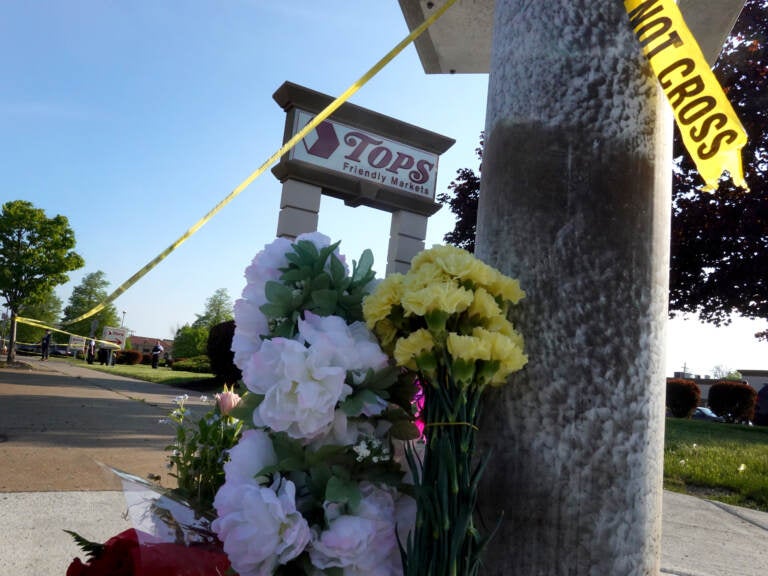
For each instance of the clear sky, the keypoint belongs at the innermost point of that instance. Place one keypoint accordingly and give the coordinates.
(133, 119)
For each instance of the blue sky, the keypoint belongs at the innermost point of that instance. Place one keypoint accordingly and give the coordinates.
(133, 119)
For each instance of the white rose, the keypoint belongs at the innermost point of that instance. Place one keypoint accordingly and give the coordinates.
(259, 526)
(251, 454)
(300, 389)
(278, 359)
(364, 542)
(353, 347)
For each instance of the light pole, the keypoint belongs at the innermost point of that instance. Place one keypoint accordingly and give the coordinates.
(122, 323)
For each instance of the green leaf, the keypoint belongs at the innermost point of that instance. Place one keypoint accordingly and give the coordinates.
(92, 549)
(248, 403)
(274, 310)
(278, 293)
(343, 492)
(354, 404)
(361, 270)
(324, 302)
(337, 271)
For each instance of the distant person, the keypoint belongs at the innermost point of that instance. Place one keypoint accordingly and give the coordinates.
(157, 349)
(45, 345)
(90, 351)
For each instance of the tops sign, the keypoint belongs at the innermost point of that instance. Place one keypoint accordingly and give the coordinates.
(366, 156)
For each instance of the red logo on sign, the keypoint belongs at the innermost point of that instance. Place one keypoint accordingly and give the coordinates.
(322, 142)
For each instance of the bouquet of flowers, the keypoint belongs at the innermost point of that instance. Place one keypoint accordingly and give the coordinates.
(305, 474)
(446, 322)
(313, 487)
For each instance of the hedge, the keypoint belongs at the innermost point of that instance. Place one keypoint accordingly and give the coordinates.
(200, 364)
(683, 396)
(734, 401)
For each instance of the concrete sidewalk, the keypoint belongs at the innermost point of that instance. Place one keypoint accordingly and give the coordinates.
(57, 421)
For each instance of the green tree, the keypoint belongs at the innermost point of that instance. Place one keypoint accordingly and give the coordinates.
(462, 199)
(46, 308)
(218, 309)
(719, 250)
(36, 252)
(190, 341)
(91, 291)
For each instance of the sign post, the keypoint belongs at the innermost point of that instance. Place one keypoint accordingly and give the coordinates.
(363, 158)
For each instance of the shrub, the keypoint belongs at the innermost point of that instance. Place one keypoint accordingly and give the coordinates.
(130, 357)
(683, 396)
(146, 359)
(220, 352)
(190, 341)
(734, 401)
(200, 364)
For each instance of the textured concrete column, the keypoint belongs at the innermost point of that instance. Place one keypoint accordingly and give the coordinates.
(406, 239)
(575, 202)
(299, 208)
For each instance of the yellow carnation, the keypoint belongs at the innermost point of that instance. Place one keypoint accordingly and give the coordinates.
(446, 297)
(505, 350)
(378, 305)
(386, 331)
(423, 276)
(484, 305)
(410, 348)
(469, 348)
(503, 326)
(507, 288)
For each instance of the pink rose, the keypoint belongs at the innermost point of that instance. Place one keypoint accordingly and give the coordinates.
(227, 400)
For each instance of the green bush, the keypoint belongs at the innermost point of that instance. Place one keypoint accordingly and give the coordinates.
(190, 341)
(683, 396)
(734, 401)
(220, 352)
(200, 364)
(130, 357)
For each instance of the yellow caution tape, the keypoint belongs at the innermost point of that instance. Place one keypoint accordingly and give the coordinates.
(710, 128)
(39, 324)
(330, 109)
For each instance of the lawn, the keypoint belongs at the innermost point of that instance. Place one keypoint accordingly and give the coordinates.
(161, 375)
(724, 462)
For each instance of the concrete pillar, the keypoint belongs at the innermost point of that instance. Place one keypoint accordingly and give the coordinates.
(575, 202)
(299, 208)
(406, 239)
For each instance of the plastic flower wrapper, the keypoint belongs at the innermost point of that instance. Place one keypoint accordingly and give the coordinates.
(445, 322)
(168, 538)
(324, 404)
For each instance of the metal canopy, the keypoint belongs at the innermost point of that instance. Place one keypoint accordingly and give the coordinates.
(460, 42)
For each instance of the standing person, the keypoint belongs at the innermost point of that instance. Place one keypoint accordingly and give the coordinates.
(157, 349)
(45, 345)
(91, 351)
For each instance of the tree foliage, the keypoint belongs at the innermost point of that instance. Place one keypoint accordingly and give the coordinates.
(47, 309)
(91, 291)
(36, 252)
(218, 309)
(462, 200)
(719, 245)
(190, 341)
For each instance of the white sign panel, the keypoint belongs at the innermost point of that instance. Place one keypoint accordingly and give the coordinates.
(116, 335)
(366, 156)
(76, 342)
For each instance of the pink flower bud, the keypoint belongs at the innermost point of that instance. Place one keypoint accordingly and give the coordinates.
(227, 400)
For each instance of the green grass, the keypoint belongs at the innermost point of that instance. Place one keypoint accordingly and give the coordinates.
(724, 462)
(161, 375)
